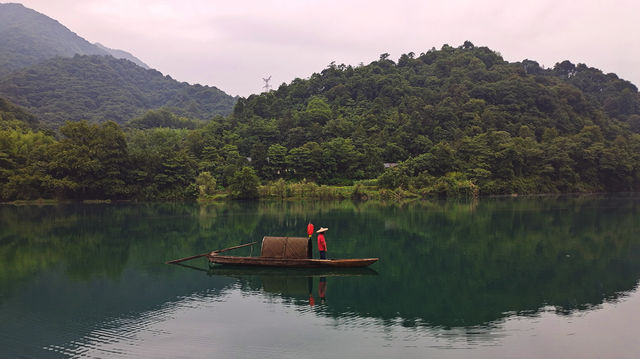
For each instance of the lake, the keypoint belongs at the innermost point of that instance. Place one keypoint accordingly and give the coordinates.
(535, 277)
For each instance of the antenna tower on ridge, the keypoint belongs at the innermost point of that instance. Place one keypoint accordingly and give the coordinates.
(266, 86)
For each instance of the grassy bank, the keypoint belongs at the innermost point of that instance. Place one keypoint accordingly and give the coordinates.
(364, 190)
(39, 201)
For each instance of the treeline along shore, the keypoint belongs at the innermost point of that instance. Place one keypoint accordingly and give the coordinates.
(451, 122)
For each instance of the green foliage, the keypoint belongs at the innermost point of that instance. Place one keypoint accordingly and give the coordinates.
(23, 157)
(162, 166)
(393, 177)
(12, 116)
(206, 185)
(162, 118)
(497, 163)
(244, 184)
(454, 184)
(280, 189)
(276, 162)
(89, 162)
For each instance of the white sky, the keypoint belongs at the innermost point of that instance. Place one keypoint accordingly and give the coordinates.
(234, 44)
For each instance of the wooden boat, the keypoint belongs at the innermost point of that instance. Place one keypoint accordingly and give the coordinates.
(291, 262)
(283, 252)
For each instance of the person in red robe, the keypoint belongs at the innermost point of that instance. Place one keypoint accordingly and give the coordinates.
(322, 244)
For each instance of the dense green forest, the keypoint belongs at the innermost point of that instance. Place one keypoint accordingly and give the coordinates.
(456, 121)
(103, 88)
(12, 116)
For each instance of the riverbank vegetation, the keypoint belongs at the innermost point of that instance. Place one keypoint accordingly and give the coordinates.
(449, 122)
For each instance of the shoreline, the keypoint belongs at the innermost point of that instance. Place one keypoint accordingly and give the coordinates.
(337, 193)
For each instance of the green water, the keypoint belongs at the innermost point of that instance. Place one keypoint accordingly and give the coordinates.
(497, 278)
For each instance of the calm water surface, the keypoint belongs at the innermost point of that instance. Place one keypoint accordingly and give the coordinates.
(497, 278)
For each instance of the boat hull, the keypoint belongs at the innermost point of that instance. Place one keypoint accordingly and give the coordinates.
(292, 263)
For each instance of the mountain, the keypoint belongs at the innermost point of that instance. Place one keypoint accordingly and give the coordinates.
(102, 88)
(120, 54)
(28, 37)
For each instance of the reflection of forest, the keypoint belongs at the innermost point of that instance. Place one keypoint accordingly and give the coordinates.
(441, 263)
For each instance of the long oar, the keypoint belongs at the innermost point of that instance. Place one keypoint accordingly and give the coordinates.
(208, 253)
(234, 247)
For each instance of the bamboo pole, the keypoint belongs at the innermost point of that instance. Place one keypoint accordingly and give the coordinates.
(187, 258)
(209, 253)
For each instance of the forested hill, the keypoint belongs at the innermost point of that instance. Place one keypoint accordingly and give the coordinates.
(463, 112)
(28, 37)
(102, 88)
(407, 106)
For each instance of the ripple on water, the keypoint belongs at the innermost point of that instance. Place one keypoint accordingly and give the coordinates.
(101, 340)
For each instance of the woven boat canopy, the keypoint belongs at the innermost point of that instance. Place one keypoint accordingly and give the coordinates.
(285, 247)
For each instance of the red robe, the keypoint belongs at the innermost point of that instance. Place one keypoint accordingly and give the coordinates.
(322, 245)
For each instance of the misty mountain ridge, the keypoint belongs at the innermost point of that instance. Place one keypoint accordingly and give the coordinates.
(59, 76)
(102, 88)
(28, 37)
(121, 54)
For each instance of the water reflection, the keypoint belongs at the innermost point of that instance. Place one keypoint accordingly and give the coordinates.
(459, 271)
(288, 283)
(301, 287)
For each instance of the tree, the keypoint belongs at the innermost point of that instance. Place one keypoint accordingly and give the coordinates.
(206, 184)
(23, 158)
(162, 166)
(342, 160)
(300, 163)
(393, 178)
(244, 184)
(75, 159)
(565, 69)
(318, 111)
(276, 162)
(259, 157)
(111, 151)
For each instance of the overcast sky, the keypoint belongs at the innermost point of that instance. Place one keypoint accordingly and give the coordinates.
(234, 44)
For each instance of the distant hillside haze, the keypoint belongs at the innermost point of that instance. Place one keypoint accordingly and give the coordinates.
(103, 88)
(121, 54)
(58, 76)
(28, 37)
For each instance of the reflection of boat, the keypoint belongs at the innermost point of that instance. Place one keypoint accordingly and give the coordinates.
(296, 282)
(288, 252)
(244, 271)
(291, 262)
